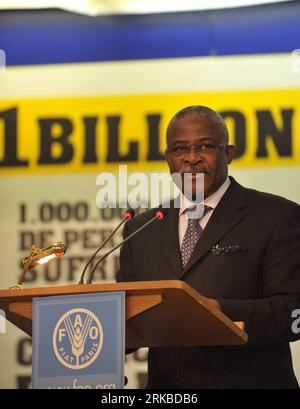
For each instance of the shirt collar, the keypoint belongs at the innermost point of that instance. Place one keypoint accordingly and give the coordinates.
(211, 201)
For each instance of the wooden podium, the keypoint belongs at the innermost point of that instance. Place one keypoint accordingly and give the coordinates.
(158, 313)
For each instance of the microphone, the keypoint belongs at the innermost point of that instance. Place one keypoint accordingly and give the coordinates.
(159, 215)
(128, 215)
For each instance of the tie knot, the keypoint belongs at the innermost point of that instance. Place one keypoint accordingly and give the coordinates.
(197, 212)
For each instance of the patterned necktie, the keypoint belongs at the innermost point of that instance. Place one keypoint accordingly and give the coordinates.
(193, 231)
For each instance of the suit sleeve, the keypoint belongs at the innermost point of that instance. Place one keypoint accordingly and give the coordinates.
(126, 272)
(268, 320)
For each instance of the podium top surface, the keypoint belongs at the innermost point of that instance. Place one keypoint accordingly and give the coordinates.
(165, 313)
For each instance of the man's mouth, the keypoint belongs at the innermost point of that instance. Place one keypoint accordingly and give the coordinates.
(195, 173)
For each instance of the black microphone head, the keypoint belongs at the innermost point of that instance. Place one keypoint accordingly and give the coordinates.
(161, 213)
(129, 214)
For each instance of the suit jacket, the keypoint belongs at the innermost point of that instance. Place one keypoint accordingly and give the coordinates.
(258, 284)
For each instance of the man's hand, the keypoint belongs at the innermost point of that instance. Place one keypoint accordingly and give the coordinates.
(213, 302)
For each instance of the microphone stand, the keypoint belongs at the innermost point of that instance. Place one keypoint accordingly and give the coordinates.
(128, 215)
(159, 215)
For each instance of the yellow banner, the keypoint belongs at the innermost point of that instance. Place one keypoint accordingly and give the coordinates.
(95, 134)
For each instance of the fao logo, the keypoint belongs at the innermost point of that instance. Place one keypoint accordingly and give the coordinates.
(77, 338)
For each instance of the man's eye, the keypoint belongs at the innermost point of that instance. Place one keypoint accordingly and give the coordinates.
(179, 149)
(207, 146)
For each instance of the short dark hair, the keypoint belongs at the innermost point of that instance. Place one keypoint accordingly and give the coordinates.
(195, 110)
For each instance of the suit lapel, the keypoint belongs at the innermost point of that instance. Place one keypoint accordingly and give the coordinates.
(228, 213)
(169, 241)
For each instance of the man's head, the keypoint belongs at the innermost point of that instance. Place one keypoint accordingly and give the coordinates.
(197, 142)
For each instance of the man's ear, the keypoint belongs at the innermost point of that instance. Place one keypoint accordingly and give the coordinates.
(167, 158)
(230, 153)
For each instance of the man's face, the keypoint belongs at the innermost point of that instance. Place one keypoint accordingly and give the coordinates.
(195, 145)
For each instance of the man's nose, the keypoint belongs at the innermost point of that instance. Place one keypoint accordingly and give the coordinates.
(193, 157)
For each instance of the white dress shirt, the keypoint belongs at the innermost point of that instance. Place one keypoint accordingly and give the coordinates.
(211, 201)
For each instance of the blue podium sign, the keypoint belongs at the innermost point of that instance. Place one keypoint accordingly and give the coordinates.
(79, 341)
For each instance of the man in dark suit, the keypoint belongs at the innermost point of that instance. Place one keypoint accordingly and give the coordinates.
(245, 259)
